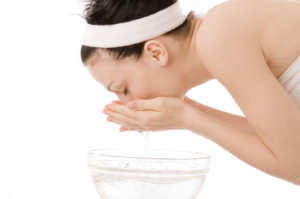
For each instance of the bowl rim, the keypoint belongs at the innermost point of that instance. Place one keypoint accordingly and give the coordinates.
(204, 155)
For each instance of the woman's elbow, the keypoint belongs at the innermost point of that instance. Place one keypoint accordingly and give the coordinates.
(290, 169)
(294, 176)
(296, 180)
(289, 172)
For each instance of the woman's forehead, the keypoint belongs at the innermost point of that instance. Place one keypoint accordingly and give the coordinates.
(102, 57)
(99, 58)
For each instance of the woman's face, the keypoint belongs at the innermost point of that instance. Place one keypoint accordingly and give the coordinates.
(143, 79)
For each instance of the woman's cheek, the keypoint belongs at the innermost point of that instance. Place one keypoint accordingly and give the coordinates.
(144, 95)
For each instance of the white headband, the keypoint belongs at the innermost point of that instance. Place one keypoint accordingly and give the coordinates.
(133, 32)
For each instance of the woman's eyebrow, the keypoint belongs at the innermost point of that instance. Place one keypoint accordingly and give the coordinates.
(108, 87)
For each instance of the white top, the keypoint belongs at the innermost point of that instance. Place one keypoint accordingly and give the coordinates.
(290, 79)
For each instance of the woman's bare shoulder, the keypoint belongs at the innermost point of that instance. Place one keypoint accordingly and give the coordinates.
(249, 16)
(230, 15)
(253, 23)
(226, 24)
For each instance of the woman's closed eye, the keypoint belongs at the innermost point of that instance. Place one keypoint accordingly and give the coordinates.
(125, 91)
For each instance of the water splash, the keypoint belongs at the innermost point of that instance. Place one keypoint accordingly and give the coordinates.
(145, 135)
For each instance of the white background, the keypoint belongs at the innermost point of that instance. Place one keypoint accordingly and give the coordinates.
(51, 113)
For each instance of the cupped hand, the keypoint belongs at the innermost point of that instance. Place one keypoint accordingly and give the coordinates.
(149, 115)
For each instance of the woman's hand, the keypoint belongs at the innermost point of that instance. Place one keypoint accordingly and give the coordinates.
(150, 115)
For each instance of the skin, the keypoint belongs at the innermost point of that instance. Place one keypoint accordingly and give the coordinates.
(252, 47)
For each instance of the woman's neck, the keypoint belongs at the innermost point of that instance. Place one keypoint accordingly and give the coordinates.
(195, 73)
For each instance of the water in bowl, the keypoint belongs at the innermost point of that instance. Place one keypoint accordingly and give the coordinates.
(124, 186)
(148, 174)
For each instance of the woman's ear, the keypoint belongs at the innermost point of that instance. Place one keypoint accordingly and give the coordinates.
(156, 52)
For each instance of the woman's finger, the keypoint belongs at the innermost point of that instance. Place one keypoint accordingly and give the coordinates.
(121, 118)
(146, 105)
(122, 129)
(124, 126)
(121, 109)
(116, 102)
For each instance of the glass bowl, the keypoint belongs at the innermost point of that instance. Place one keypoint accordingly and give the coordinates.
(148, 173)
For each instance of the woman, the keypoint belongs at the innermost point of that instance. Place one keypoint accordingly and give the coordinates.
(251, 46)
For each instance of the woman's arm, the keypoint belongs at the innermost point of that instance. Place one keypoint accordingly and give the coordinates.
(171, 113)
(235, 120)
(243, 144)
(234, 57)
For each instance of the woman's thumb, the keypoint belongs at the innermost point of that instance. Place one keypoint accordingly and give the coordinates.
(132, 105)
(144, 105)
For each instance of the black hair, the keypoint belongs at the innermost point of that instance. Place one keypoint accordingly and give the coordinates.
(108, 12)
